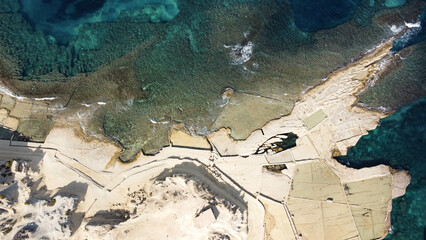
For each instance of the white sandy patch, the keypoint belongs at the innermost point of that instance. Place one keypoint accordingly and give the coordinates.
(169, 212)
(37, 219)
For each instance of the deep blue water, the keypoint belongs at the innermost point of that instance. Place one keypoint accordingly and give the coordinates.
(62, 18)
(68, 36)
(412, 36)
(272, 48)
(296, 42)
(400, 142)
(311, 16)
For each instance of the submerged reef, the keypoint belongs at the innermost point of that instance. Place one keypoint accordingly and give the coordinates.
(60, 36)
(158, 63)
(402, 84)
(134, 73)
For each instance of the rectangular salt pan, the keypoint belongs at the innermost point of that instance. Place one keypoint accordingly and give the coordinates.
(314, 119)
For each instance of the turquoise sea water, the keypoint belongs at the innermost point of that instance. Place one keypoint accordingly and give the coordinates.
(184, 53)
(61, 20)
(400, 142)
(189, 51)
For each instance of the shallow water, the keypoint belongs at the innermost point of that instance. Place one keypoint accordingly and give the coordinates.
(154, 73)
(404, 84)
(61, 20)
(399, 142)
(160, 62)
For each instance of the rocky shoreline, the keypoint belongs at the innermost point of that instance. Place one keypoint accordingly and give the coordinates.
(308, 195)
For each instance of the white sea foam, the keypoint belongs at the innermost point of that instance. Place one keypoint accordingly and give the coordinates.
(248, 70)
(83, 128)
(8, 92)
(246, 33)
(381, 108)
(198, 130)
(391, 230)
(5, 90)
(379, 45)
(396, 29)
(413, 25)
(413, 31)
(306, 90)
(225, 100)
(45, 99)
(101, 103)
(157, 122)
(241, 53)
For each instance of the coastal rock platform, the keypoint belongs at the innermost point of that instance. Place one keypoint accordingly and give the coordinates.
(300, 192)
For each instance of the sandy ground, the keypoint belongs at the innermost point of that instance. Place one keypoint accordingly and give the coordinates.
(207, 188)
